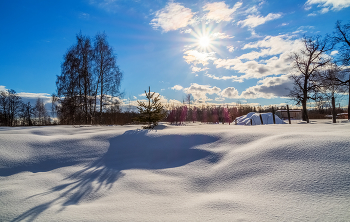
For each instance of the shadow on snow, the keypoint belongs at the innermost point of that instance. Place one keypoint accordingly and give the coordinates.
(132, 150)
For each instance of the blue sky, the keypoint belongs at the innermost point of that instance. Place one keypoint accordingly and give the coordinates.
(218, 51)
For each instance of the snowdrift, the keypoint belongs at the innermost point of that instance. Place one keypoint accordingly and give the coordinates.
(197, 172)
(255, 117)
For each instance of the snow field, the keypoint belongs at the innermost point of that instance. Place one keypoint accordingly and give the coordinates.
(197, 172)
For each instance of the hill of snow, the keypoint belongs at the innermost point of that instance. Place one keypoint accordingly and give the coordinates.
(196, 172)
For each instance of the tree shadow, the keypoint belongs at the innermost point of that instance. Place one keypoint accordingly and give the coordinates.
(132, 150)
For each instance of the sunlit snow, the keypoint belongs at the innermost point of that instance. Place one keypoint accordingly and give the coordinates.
(193, 172)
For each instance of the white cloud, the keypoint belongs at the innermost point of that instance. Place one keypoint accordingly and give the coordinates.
(334, 52)
(256, 20)
(230, 48)
(324, 10)
(198, 69)
(177, 87)
(335, 4)
(34, 95)
(230, 92)
(284, 24)
(219, 11)
(268, 88)
(221, 35)
(234, 78)
(199, 92)
(174, 16)
(312, 14)
(219, 99)
(271, 45)
(254, 69)
(134, 97)
(275, 48)
(188, 31)
(195, 57)
(2, 88)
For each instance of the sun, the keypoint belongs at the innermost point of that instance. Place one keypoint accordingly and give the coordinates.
(204, 41)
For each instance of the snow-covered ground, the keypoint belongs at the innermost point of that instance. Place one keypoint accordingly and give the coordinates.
(196, 172)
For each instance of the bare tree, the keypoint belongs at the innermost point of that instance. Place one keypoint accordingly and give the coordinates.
(74, 85)
(306, 62)
(88, 74)
(341, 38)
(331, 86)
(40, 112)
(27, 111)
(107, 72)
(10, 105)
(188, 100)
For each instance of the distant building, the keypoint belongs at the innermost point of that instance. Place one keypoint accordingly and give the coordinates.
(342, 115)
(339, 116)
(294, 114)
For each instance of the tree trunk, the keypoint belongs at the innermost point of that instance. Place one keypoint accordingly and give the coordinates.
(333, 110)
(304, 101)
(289, 115)
(349, 101)
(304, 114)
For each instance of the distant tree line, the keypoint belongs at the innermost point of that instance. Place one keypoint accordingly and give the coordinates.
(224, 114)
(88, 88)
(318, 75)
(14, 112)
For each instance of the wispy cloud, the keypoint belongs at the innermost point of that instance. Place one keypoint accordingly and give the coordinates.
(198, 69)
(195, 57)
(108, 5)
(328, 4)
(84, 15)
(219, 11)
(253, 21)
(254, 65)
(174, 16)
(221, 35)
(233, 78)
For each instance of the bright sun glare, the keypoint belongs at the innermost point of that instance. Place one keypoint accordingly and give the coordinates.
(204, 41)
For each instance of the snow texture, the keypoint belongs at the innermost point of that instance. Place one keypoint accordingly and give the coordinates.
(255, 117)
(196, 172)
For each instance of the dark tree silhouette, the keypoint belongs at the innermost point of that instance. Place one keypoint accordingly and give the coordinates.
(341, 37)
(306, 62)
(89, 71)
(10, 105)
(331, 86)
(27, 111)
(107, 73)
(40, 112)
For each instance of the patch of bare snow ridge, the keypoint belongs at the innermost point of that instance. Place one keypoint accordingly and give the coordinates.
(195, 172)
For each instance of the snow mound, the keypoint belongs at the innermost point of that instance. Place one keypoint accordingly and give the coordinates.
(255, 117)
(201, 172)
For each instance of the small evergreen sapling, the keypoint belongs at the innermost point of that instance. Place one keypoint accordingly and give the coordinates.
(152, 112)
